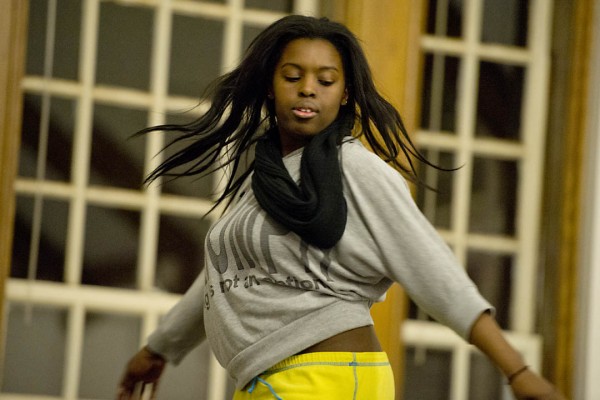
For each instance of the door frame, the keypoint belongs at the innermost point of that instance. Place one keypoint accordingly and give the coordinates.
(13, 39)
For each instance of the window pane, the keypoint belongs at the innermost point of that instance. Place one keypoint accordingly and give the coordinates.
(36, 37)
(439, 98)
(111, 247)
(494, 196)
(34, 352)
(67, 43)
(52, 244)
(60, 138)
(499, 101)
(492, 274)
(180, 252)
(195, 186)
(188, 380)
(190, 186)
(117, 159)
(66, 39)
(109, 342)
(423, 367)
(485, 381)
(414, 312)
(196, 50)
(445, 18)
(436, 203)
(124, 62)
(249, 33)
(272, 5)
(505, 22)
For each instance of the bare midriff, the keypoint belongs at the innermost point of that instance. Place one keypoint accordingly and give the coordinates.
(359, 340)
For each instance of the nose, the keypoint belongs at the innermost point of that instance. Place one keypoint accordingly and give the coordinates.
(307, 88)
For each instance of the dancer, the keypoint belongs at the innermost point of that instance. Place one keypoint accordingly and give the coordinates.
(316, 230)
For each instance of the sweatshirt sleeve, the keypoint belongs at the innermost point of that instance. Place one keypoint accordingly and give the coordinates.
(410, 250)
(182, 328)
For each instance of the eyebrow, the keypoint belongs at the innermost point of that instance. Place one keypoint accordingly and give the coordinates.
(323, 68)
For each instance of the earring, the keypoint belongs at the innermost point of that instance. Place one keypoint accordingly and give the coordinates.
(344, 102)
(270, 95)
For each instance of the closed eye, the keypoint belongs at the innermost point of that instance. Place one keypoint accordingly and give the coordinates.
(292, 78)
(326, 83)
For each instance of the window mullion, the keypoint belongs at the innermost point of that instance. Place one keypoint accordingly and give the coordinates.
(530, 184)
(74, 340)
(82, 144)
(467, 109)
(306, 7)
(149, 229)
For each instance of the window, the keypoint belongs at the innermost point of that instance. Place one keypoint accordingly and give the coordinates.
(98, 257)
(483, 110)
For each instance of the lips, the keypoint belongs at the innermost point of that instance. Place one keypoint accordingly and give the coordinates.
(304, 111)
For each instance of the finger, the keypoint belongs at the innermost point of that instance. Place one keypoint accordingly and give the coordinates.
(147, 390)
(137, 391)
(124, 393)
(128, 384)
(154, 390)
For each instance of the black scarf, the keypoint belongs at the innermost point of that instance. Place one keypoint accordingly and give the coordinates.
(315, 209)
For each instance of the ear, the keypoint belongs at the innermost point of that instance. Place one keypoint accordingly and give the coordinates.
(270, 93)
(345, 98)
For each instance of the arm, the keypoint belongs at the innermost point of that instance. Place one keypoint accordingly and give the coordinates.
(182, 328)
(179, 331)
(487, 336)
(399, 243)
(413, 254)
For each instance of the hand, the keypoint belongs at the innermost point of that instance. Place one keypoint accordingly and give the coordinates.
(144, 368)
(529, 386)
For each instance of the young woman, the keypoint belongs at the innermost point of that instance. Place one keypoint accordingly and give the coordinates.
(316, 231)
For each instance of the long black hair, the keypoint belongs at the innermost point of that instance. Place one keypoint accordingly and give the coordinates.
(239, 99)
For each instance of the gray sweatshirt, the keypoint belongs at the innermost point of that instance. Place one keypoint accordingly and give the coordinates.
(265, 295)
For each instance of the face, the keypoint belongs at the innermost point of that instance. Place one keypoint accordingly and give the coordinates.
(308, 90)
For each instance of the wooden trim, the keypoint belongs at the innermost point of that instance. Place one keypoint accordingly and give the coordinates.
(575, 129)
(13, 33)
(389, 33)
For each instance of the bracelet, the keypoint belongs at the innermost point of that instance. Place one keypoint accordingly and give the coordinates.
(518, 372)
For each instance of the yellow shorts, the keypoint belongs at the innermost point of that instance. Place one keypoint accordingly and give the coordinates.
(331, 376)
